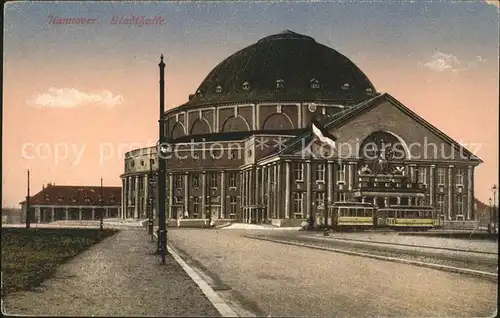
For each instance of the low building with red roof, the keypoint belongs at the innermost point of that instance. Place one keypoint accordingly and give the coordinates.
(63, 202)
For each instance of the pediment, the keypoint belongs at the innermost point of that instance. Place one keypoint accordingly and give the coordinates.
(419, 139)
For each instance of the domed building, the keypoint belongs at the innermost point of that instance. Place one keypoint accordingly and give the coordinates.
(243, 147)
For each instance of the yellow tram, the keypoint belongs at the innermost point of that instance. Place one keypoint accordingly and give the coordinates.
(361, 216)
(353, 215)
(416, 218)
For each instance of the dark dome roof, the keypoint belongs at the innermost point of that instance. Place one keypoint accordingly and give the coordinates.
(309, 71)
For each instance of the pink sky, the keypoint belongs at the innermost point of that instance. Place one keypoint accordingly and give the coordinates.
(461, 100)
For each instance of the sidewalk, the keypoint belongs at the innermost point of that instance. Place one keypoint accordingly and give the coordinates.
(117, 277)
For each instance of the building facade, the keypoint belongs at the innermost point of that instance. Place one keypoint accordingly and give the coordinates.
(63, 203)
(242, 147)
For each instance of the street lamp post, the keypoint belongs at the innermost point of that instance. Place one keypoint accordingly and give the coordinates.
(325, 197)
(151, 185)
(495, 212)
(491, 216)
(162, 152)
(101, 201)
(28, 216)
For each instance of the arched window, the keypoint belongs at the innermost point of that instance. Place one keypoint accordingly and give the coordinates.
(235, 124)
(382, 145)
(277, 122)
(200, 127)
(218, 89)
(177, 131)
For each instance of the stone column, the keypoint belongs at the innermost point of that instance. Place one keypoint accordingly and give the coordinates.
(473, 210)
(275, 192)
(263, 190)
(136, 205)
(79, 213)
(186, 194)
(38, 215)
(251, 197)
(52, 214)
(398, 200)
(241, 182)
(129, 196)
(203, 194)
(386, 202)
(123, 204)
(287, 189)
(308, 189)
(469, 192)
(431, 185)
(251, 187)
(146, 194)
(450, 191)
(268, 192)
(350, 176)
(412, 172)
(223, 195)
(170, 195)
(66, 210)
(410, 200)
(279, 191)
(106, 213)
(93, 213)
(330, 181)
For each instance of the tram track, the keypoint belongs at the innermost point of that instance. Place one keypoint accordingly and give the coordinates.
(451, 259)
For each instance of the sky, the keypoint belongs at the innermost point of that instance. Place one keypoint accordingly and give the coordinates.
(77, 97)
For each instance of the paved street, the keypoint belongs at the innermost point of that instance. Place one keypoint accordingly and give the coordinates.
(461, 258)
(280, 280)
(117, 277)
(393, 237)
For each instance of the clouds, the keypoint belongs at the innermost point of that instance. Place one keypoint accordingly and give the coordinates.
(73, 98)
(441, 62)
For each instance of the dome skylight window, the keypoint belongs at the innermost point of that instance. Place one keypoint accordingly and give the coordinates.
(314, 83)
(280, 84)
(246, 86)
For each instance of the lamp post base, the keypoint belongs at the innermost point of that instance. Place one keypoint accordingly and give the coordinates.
(162, 244)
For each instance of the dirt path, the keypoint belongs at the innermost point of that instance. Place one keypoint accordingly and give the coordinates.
(117, 277)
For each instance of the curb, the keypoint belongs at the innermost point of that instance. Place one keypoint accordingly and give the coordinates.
(212, 296)
(408, 245)
(472, 272)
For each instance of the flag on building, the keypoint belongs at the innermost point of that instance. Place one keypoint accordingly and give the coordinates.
(324, 137)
